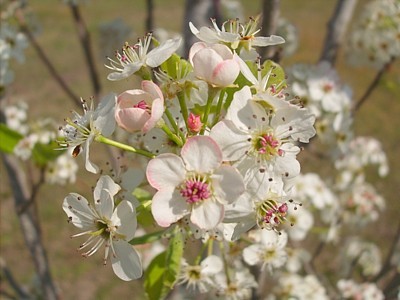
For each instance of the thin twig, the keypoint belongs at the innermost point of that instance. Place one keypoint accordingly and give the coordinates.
(5, 271)
(150, 16)
(337, 27)
(84, 38)
(386, 265)
(30, 227)
(42, 55)
(373, 85)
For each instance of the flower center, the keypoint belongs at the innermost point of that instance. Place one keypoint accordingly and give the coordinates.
(195, 190)
(267, 146)
(142, 105)
(271, 213)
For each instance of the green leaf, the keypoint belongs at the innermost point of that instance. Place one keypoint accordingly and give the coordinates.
(163, 271)
(44, 153)
(8, 138)
(147, 238)
(173, 259)
(154, 278)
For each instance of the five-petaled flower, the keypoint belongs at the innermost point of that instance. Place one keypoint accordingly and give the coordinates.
(195, 183)
(106, 225)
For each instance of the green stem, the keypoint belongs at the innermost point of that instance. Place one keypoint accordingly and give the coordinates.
(219, 107)
(222, 249)
(122, 146)
(171, 135)
(184, 109)
(174, 124)
(212, 92)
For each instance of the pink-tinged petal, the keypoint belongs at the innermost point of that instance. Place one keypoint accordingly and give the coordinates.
(223, 51)
(157, 111)
(204, 62)
(196, 47)
(89, 166)
(207, 214)
(165, 171)
(228, 184)
(126, 263)
(168, 206)
(78, 211)
(105, 182)
(124, 218)
(130, 98)
(131, 119)
(201, 154)
(161, 53)
(225, 73)
(152, 88)
(233, 142)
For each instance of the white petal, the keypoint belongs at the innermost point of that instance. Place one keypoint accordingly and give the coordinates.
(105, 182)
(251, 254)
(160, 54)
(245, 70)
(105, 204)
(263, 41)
(126, 263)
(90, 167)
(228, 184)
(165, 171)
(211, 265)
(233, 142)
(104, 115)
(168, 206)
(124, 217)
(201, 154)
(128, 71)
(207, 214)
(78, 210)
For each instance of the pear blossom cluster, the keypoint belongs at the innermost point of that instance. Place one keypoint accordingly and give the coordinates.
(212, 145)
(352, 290)
(374, 40)
(319, 88)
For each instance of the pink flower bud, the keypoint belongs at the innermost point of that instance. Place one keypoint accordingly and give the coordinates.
(194, 123)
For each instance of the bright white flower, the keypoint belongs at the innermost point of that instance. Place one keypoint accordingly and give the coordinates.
(23, 149)
(363, 152)
(261, 141)
(133, 58)
(299, 222)
(365, 291)
(214, 64)
(309, 189)
(238, 36)
(62, 170)
(361, 204)
(16, 117)
(364, 254)
(375, 39)
(194, 183)
(140, 110)
(106, 225)
(238, 287)
(293, 286)
(200, 276)
(270, 250)
(82, 130)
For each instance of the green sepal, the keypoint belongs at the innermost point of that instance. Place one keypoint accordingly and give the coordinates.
(173, 259)
(278, 75)
(148, 238)
(8, 138)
